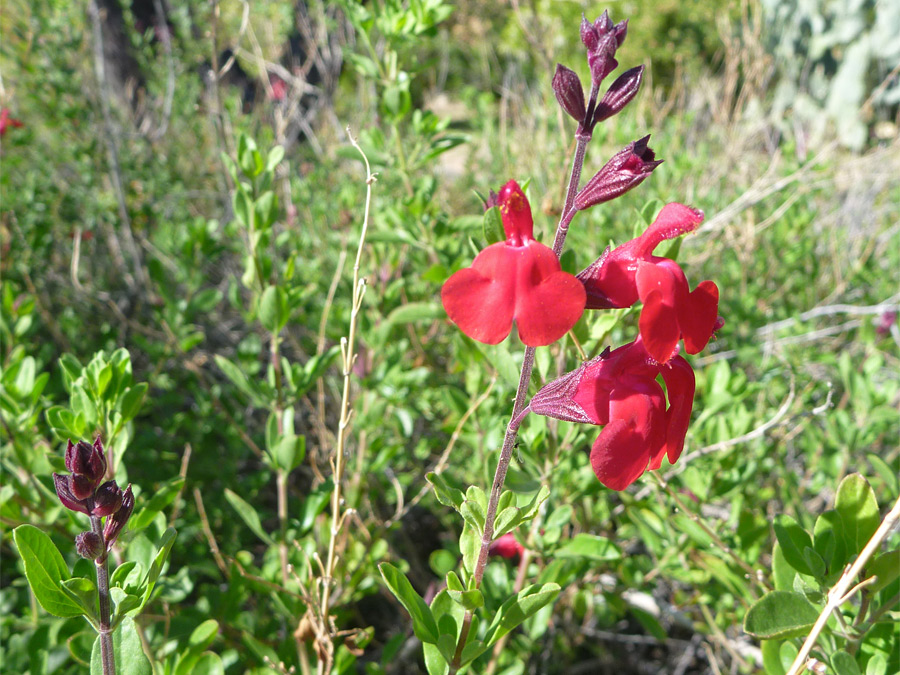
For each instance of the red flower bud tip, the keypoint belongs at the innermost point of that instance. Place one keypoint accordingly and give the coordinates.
(6, 121)
(885, 321)
(569, 92)
(627, 169)
(506, 546)
(619, 94)
(107, 499)
(88, 545)
(618, 390)
(671, 310)
(514, 280)
(116, 523)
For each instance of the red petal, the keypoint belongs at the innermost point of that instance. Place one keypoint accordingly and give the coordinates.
(680, 385)
(635, 433)
(673, 221)
(515, 212)
(481, 299)
(698, 317)
(548, 301)
(658, 287)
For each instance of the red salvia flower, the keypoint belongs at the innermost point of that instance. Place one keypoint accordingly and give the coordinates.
(618, 390)
(517, 279)
(671, 311)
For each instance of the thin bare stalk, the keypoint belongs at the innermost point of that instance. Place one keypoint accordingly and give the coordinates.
(348, 356)
(107, 657)
(845, 588)
(519, 409)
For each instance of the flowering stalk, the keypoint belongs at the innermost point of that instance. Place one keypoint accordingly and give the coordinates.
(582, 138)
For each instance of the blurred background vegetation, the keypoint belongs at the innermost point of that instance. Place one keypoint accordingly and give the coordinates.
(778, 118)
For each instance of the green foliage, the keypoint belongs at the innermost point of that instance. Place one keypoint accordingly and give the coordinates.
(243, 242)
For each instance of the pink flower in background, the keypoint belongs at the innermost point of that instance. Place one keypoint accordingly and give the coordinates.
(514, 280)
(506, 546)
(671, 311)
(6, 121)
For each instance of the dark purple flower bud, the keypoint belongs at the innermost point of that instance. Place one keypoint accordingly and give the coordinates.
(107, 499)
(569, 92)
(80, 486)
(61, 483)
(589, 34)
(627, 169)
(602, 60)
(116, 523)
(89, 545)
(492, 200)
(621, 31)
(885, 321)
(619, 94)
(603, 24)
(83, 458)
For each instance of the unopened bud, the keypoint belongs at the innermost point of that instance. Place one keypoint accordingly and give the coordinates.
(107, 499)
(64, 492)
(627, 169)
(89, 545)
(619, 94)
(569, 92)
(116, 523)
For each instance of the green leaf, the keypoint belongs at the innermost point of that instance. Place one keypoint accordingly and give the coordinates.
(242, 205)
(276, 154)
(412, 312)
(165, 546)
(446, 495)
(470, 600)
(131, 401)
(424, 625)
(887, 473)
(519, 608)
(844, 664)
(877, 665)
(856, 503)
(249, 515)
(45, 569)
(473, 514)
(314, 503)
(209, 664)
(239, 379)
(162, 497)
(829, 541)
(80, 646)
(886, 567)
(470, 546)
(127, 651)
(273, 309)
(589, 546)
(63, 422)
(266, 208)
(492, 226)
(780, 614)
(83, 592)
(793, 539)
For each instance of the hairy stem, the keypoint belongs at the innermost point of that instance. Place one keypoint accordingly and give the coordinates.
(107, 658)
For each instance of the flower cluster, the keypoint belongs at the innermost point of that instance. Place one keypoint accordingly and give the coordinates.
(85, 492)
(520, 280)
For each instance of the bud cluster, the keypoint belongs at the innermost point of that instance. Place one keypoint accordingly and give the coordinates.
(85, 492)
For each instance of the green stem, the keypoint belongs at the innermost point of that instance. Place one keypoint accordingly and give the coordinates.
(107, 657)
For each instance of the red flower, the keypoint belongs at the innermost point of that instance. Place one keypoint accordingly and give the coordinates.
(619, 391)
(671, 310)
(517, 279)
(6, 121)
